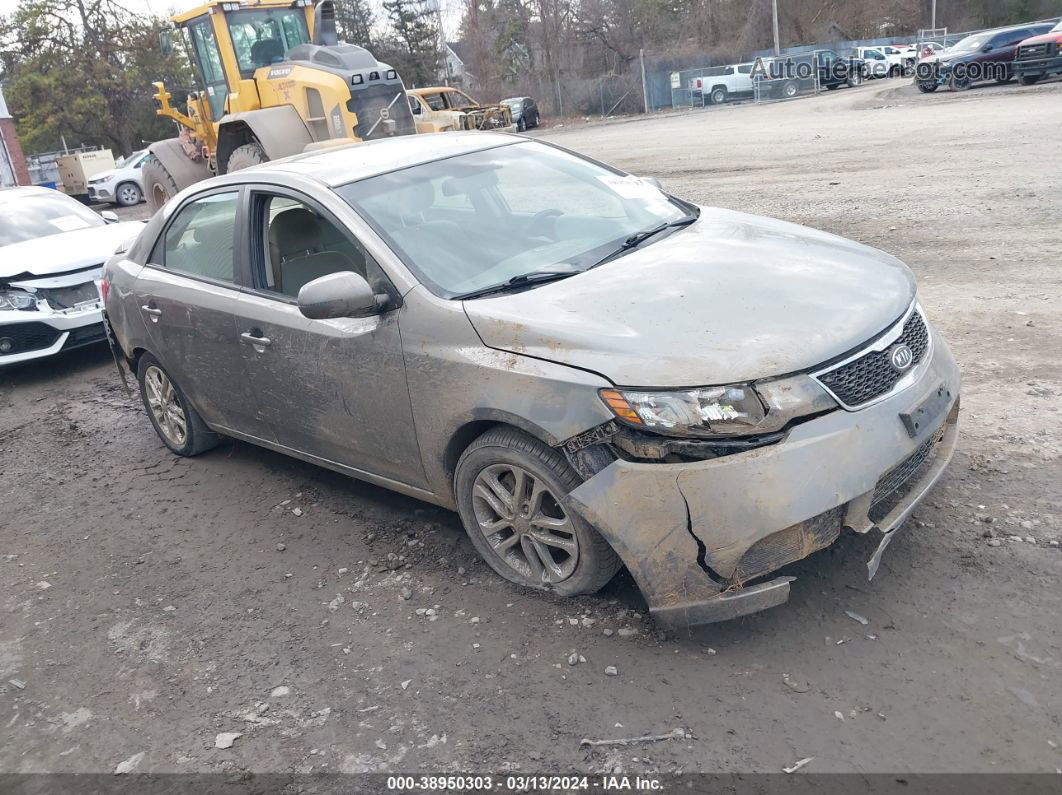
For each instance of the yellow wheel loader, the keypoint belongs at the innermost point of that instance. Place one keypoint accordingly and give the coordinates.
(273, 82)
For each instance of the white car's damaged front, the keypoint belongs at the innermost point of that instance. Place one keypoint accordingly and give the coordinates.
(52, 250)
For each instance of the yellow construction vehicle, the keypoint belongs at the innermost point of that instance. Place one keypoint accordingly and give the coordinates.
(273, 82)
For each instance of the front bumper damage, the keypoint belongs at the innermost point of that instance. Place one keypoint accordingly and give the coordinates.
(699, 537)
(68, 313)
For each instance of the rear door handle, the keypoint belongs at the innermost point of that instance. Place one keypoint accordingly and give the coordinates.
(250, 339)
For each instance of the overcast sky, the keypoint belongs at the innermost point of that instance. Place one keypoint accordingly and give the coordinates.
(451, 9)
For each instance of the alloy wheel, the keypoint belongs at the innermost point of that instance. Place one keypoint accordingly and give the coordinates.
(525, 524)
(162, 400)
(128, 195)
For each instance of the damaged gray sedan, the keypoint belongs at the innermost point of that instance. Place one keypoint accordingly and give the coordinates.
(592, 372)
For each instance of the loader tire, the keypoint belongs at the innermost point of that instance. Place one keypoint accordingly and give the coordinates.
(245, 156)
(159, 184)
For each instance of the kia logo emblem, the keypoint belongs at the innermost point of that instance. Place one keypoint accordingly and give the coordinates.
(901, 357)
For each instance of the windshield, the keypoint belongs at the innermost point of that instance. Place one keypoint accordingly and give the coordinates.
(28, 217)
(480, 219)
(262, 37)
(970, 43)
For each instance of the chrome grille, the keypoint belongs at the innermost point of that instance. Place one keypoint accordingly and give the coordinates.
(871, 375)
(1032, 51)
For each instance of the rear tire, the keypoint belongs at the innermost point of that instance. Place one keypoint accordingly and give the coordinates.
(159, 185)
(512, 492)
(790, 89)
(177, 423)
(718, 96)
(245, 156)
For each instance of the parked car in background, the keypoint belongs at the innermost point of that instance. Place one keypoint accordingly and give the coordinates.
(52, 250)
(592, 372)
(524, 112)
(928, 50)
(120, 185)
(988, 55)
(444, 108)
(877, 65)
(1039, 57)
(826, 69)
(906, 53)
(719, 84)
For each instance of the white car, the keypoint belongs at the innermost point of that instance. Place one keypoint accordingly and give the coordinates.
(122, 184)
(52, 249)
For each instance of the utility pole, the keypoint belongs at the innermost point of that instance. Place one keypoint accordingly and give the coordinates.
(645, 88)
(933, 19)
(774, 14)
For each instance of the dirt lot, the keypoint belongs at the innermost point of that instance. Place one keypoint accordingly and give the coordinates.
(149, 602)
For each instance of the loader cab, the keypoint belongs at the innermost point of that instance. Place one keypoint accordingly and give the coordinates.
(229, 41)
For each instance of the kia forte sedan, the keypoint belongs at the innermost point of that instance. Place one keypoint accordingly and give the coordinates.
(592, 372)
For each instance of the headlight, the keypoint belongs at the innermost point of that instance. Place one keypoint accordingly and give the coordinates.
(11, 298)
(712, 411)
(733, 410)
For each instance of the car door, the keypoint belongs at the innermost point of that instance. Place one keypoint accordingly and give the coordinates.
(333, 389)
(187, 295)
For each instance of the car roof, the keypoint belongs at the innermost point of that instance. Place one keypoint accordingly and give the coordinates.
(343, 164)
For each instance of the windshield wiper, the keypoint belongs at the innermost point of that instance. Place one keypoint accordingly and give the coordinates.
(521, 280)
(638, 238)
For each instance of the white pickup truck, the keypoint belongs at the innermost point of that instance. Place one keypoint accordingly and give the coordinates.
(720, 83)
(887, 60)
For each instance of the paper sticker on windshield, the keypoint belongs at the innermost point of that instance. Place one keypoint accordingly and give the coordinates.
(630, 187)
(68, 223)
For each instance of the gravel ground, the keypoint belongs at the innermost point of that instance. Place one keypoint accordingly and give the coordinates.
(150, 603)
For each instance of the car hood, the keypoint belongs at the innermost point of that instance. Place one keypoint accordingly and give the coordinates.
(66, 251)
(110, 173)
(1042, 38)
(733, 297)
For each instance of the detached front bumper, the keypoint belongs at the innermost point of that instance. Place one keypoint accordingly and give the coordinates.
(694, 535)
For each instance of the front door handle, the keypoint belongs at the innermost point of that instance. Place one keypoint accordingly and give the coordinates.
(151, 309)
(250, 339)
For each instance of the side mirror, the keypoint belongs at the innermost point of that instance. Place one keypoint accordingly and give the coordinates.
(110, 216)
(652, 181)
(166, 43)
(987, 48)
(343, 294)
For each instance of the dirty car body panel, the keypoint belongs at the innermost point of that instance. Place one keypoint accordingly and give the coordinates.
(857, 394)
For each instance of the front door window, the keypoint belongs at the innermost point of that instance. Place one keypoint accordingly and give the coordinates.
(211, 71)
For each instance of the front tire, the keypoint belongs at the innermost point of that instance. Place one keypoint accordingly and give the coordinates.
(245, 156)
(926, 87)
(159, 184)
(855, 79)
(176, 422)
(512, 496)
(128, 194)
(521, 125)
(1028, 80)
